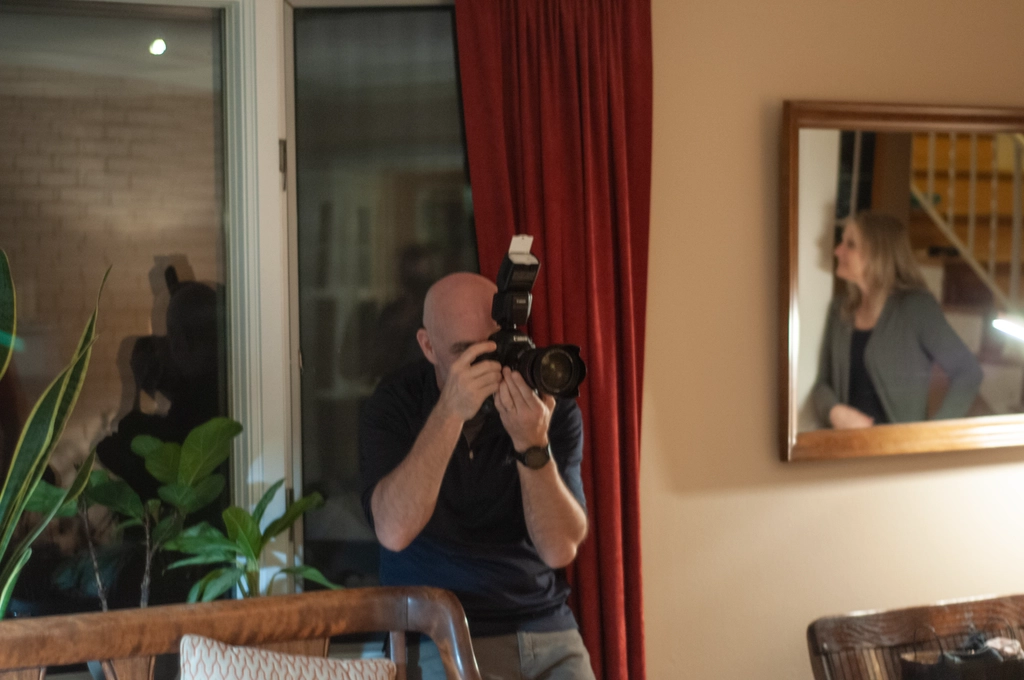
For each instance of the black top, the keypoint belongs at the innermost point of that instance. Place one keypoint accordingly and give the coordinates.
(863, 396)
(476, 543)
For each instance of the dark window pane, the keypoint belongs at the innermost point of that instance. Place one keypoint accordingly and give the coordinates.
(384, 209)
(111, 129)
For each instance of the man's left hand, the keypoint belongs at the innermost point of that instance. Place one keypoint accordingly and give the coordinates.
(525, 414)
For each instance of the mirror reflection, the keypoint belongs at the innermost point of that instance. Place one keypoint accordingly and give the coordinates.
(909, 249)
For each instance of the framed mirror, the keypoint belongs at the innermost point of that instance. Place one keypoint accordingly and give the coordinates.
(901, 250)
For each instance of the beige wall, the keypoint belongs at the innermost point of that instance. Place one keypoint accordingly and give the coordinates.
(741, 551)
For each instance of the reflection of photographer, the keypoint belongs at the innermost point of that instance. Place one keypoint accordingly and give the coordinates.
(486, 503)
(180, 369)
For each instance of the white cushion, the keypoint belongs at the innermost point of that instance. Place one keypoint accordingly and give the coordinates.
(206, 659)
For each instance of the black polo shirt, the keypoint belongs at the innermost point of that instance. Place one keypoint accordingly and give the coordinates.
(476, 543)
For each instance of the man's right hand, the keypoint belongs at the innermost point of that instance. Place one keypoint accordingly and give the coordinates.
(467, 384)
(845, 417)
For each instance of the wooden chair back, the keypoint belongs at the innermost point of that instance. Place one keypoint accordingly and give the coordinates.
(867, 645)
(128, 641)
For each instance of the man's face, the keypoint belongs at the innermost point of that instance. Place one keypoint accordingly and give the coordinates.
(466, 328)
(457, 315)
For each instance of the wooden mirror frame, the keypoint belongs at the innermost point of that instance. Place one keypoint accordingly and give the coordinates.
(962, 434)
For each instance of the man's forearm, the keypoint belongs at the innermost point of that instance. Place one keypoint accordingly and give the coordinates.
(403, 501)
(556, 522)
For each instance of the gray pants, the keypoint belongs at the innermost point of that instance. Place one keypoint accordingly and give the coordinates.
(519, 656)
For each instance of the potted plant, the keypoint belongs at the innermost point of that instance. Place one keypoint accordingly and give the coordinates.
(39, 435)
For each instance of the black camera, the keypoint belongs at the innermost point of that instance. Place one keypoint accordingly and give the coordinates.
(557, 369)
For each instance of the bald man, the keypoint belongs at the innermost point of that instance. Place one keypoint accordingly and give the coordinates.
(487, 504)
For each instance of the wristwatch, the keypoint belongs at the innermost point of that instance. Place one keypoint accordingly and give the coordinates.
(534, 457)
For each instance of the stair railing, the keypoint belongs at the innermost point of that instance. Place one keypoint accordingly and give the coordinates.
(945, 223)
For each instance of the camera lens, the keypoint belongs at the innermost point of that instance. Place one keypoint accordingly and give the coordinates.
(555, 370)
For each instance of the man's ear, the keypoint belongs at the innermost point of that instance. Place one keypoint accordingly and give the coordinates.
(428, 350)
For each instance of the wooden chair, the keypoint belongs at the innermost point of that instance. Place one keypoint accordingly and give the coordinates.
(127, 641)
(867, 645)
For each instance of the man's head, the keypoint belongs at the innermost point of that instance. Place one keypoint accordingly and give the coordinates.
(456, 314)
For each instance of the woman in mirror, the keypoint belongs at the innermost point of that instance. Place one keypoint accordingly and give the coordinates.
(883, 335)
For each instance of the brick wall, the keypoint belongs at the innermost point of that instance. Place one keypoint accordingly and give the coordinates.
(98, 172)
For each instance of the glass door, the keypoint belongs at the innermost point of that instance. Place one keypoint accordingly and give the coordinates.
(380, 209)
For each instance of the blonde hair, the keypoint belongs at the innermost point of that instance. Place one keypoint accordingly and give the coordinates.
(890, 264)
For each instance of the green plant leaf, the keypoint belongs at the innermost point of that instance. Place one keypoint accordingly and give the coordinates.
(167, 529)
(117, 496)
(261, 507)
(208, 558)
(205, 448)
(244, 532)
(68, 498)
(200, 538)
(8, 314)
(129, 523)
(181, 496)
(145, 445)
(153, 508)
(208, 490)
(45, 496)
(214, 584)
(163, 462)
(9, 578)
(294, 511)
(310, 574)
(199, 586)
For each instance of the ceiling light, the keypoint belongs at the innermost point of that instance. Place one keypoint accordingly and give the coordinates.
(1010, 327)
(158, 47)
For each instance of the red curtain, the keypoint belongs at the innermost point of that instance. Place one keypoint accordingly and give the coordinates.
(557, 102)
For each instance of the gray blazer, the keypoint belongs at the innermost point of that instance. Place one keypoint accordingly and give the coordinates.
(910, 334)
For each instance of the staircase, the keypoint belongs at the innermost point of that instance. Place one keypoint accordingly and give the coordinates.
(967, 222)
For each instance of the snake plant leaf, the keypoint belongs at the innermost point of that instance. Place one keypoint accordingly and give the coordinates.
(205, 448)
(310, 574)
(261, 507)
(8, 314)
(76, 376)
(29, 456)
(9, 578)
(41, 432)
(294, 511)
(244, 532)
(68, 497)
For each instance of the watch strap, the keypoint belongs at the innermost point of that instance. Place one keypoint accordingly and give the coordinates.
(534, 457)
